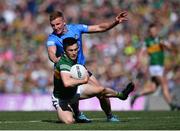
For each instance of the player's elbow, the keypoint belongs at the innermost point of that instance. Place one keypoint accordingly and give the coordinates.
(66, 84)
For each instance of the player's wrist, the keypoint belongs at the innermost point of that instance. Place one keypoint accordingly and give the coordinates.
(116, 22)
(56, 61)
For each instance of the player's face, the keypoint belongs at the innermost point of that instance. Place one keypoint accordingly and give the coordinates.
(153, 31)
(72, 51)
(58, 25)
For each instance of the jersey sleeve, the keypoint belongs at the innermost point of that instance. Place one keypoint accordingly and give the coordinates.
(63, 65)
(51, 41)
(82, 28)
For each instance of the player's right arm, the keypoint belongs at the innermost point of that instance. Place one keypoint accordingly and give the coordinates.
(121, 17)
(69, 81)
(51, 46)
(52, 54)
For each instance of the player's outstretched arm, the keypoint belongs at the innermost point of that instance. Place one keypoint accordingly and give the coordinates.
(167, 45)
(121, 17)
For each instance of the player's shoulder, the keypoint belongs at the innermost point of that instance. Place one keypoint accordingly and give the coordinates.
(64, 63)
(51, 40)
(64, 59)
(52, 36)
(61, 61)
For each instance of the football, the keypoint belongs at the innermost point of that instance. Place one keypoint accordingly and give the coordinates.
(78, 71)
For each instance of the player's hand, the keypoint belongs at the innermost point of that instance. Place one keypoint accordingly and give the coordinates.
(121, 17)
(57, 59)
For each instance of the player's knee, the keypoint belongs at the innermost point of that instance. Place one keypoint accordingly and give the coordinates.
(101, 89)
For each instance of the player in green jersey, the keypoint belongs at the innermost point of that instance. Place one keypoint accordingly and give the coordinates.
(62, 30)
(68, 90)
(155, 47)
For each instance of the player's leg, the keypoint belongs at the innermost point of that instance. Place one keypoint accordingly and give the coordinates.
(104, 102)
(108, 92)
(66, 116)
(161, 80)
(64, 111)
(89, 90)
(148, 88)
(79, 116)
(165, 89)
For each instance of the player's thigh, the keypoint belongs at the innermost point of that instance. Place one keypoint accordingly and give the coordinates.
(163, 81)
(89, 90)
(149, 85)
(65, 116)
(157, 72)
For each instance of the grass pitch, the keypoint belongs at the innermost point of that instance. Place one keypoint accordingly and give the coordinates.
(130, 120)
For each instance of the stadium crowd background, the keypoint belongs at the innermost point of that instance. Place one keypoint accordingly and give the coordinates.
(111, 56)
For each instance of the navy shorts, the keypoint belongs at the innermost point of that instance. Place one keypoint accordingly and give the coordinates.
(64, 104)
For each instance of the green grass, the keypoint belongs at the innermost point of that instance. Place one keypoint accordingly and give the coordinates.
(140, 120)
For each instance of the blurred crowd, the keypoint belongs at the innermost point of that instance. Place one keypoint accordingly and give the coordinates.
(112, 56)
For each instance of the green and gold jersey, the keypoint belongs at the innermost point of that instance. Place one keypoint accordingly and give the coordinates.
(60, 91)
(155, 51)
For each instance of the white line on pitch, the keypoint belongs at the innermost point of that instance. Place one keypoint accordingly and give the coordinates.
(20, 121)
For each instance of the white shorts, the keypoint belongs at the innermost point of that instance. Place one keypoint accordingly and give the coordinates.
(156, 70)
(80, 89)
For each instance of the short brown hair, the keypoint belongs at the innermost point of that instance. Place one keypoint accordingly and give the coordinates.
(152, 25)
(68, 42)
(55, 15)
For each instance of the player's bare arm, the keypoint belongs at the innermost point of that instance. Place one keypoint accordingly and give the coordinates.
(71, 82)
(140, 55)
(167, 45)
(121, 17)
(51, 54)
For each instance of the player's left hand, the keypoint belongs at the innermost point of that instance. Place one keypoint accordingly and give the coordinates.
(122, 16)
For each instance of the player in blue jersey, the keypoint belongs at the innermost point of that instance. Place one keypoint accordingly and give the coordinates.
(61, 30)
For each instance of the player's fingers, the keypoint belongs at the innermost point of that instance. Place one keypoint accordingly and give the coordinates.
(123, 19)
(123, 14)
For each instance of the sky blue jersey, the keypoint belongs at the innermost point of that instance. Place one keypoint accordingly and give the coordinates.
(73, 30)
